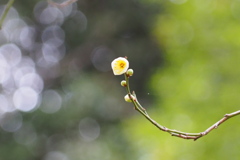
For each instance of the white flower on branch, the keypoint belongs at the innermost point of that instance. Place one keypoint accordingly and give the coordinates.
(120, 65)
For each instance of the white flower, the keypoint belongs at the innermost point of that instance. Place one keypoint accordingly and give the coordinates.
(120, 65)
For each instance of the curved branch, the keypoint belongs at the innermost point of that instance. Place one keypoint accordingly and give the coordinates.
(173, 132)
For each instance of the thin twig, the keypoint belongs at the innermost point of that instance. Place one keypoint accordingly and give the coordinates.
(63, 4)
(176, 133)
(137, 106)
(5, 12)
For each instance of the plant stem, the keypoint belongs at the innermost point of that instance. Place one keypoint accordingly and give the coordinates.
(135, 102)
(5, 12)
(174, 132)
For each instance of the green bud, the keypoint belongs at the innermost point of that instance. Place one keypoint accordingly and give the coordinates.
(130, 72)
(123, 83)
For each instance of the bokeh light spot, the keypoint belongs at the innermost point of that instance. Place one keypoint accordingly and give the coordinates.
(102, 58)
(51, 101)
(52, 53)
(14, 28)
(11, 121)
(51, 15)
(53, 35)
(12, 13)
(4, 69)
(25, 99)
(79, 20)
(6, 105)
(32, 80)
(11, 53)
(27, 37)
(89, 129)
(56, 155)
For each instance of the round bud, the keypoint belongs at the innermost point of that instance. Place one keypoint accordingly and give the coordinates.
(123, 83)
(127, 99)
(130, 72)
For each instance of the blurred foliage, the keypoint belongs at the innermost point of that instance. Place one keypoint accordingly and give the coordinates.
(198, 84)
(184, 54)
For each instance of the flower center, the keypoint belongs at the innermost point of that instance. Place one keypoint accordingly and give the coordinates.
(122, 65)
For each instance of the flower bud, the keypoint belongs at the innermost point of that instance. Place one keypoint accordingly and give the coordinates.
(127, 99)
(123, 83)
(130, 72)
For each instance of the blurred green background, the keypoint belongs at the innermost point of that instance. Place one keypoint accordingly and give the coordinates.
(60, 101)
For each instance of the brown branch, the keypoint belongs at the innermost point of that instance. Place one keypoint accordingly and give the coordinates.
(186, 135)
(176, 133)
(201, 134)
(215, 126)
(61, 5)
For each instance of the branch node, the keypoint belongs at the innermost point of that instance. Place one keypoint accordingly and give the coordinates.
(202, 134)
(166, 129)
(227, 115)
